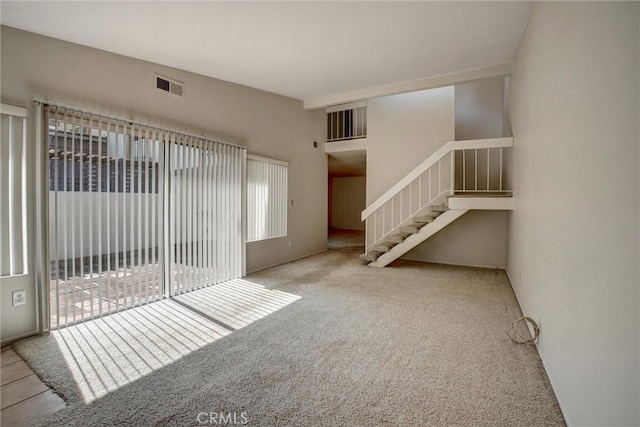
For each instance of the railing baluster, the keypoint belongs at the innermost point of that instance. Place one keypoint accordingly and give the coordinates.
(453, 171)
(501, 168)
(475, 160)
(420, 192)
(393, 214)
(488, 168)
(464, 170)
(375, 227)
(410, 199)
(331, 117)
(429, 186)
(366, 234)
(354, 125)
(439, 178)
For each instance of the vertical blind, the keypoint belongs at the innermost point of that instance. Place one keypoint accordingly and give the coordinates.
(13, 158)
(266, 198)
(136, 213)
(205, 213)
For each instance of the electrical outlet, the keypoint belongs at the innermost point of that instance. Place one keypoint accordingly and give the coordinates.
(19, 297)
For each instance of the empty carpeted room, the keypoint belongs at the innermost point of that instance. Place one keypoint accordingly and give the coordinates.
(320, 213)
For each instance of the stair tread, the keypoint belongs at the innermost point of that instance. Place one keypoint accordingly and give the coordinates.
(394, 238)
(424, 219)
(369, 257)
(438, 208)
(410, 229)
(382, 259)
(383, 247)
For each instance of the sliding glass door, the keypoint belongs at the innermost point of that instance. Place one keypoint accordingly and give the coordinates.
(136, 213)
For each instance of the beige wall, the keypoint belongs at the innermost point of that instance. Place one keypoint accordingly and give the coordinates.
(402, 131)
(269, 125)
(348, 200)
(573, 246)
(477, 239)
(479, 112)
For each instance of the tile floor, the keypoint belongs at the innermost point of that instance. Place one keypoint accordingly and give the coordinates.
(24, 398)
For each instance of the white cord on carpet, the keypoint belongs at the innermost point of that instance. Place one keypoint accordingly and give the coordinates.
(519, 339)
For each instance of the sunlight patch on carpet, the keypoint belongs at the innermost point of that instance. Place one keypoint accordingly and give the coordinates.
(236, 303)
(107, 353)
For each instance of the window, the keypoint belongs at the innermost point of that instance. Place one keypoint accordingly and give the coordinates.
(89, 151)
(266, 198)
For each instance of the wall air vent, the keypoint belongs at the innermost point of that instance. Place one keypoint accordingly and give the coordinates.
(169, 86)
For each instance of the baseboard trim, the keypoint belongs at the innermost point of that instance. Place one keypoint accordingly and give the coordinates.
(285, 262)
(455, 265)
(7, 341)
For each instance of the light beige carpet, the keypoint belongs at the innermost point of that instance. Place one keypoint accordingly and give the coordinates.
(321, 341)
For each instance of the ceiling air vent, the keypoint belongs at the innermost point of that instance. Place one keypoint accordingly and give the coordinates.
(170, 86)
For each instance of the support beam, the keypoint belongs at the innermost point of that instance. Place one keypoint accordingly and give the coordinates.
(500, 70)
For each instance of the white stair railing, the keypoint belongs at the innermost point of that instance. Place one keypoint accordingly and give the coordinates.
(474, 166)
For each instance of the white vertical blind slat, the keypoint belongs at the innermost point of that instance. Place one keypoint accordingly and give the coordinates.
(5, 222)
(191, 190)
(91, 229)
(146, 218)
(169, 220)
(225, 211)
(99, 229)
(13, 211)
(14, 198)
(108, 209)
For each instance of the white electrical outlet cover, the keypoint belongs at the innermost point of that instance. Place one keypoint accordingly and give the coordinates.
(18, 297)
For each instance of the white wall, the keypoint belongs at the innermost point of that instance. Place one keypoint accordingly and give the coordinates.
(479, 112)
(573, 248)
(348, 200)
(269, 125)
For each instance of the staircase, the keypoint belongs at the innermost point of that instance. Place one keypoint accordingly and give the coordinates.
(410, 236)
(461, 176)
